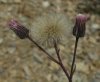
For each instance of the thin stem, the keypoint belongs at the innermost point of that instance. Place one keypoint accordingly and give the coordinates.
(43, 50)
(73, 70)
(57, 51)
(59, 58)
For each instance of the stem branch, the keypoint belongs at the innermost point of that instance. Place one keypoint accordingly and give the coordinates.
(59, 58)
(43, 50)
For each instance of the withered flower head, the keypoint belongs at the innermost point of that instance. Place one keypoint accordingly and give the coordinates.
(51, 27)
(80, 27)
(20, 30)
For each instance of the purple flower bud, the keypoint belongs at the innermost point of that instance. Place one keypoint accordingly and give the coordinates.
(79, 27)
(20, 30)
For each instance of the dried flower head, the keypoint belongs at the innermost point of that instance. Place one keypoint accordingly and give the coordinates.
(20, 30)
(51, 27)
(79, 27)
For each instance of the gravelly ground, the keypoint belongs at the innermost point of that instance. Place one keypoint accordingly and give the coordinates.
(22, 61)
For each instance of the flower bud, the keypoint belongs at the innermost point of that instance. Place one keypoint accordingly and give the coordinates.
(79, 27)
(20, 30)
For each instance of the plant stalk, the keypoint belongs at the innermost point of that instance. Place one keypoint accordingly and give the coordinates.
(73, 62)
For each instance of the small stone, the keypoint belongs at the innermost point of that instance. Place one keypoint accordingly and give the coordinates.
(17, 60)
(3, 1)
(92, 68)
(13, 73)
(94, 27)
(17, 1)
(20, 74)
(53, 65)
(11, 44)
(93, 56)
(55, 78)
(48, 77)
(70, 8)
(92, 40)
(92, 17)
(45, 4)
(63, 78)
(10, 1)
(23, 18)
(76, 78)
(1, 63)
(51, 51)
(94, 80)
(2, 80)
(27, 70)
(1, 70)
(3, 24)
(98, 74)
(82, 67)
(38, 58)
(11, 50)
(2, 54)
(1, 40)
(61, 47)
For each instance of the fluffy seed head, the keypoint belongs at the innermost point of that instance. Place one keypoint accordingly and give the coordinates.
(51, 27)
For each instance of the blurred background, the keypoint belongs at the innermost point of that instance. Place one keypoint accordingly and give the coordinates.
(22, 61)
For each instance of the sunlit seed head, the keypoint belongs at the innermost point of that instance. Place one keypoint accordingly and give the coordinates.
(51, 27)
